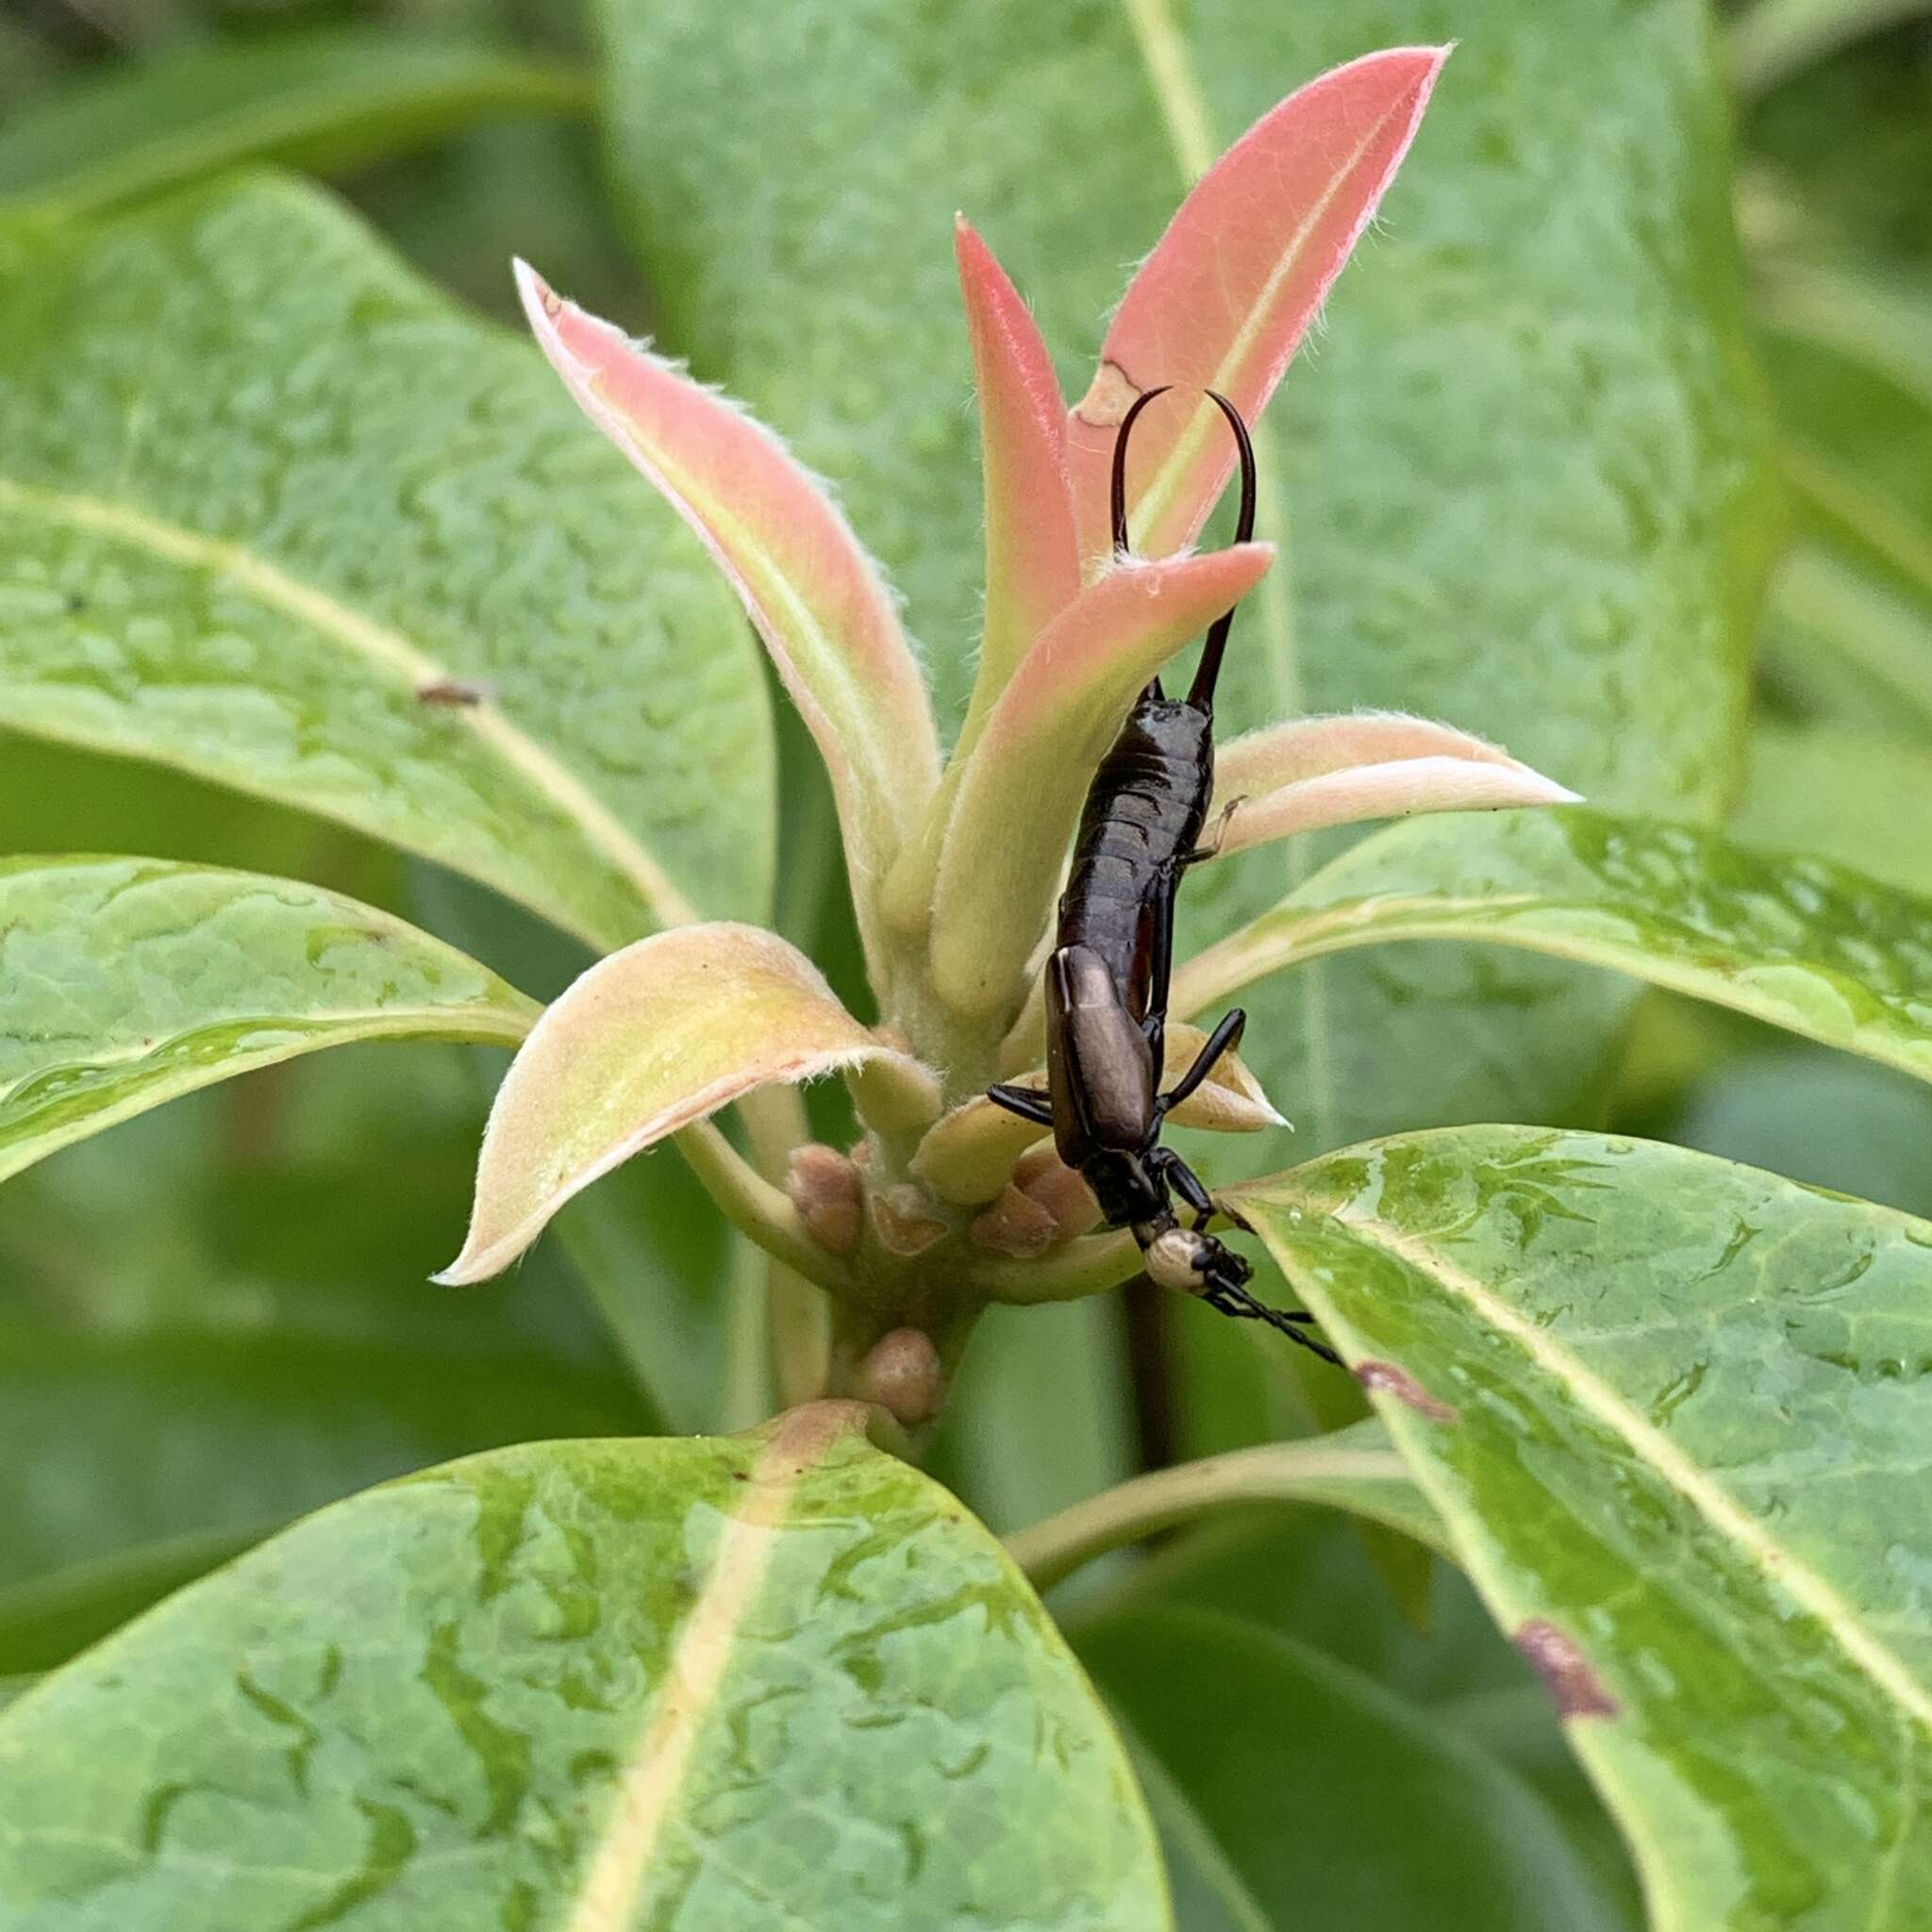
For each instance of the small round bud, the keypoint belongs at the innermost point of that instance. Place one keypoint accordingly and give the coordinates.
(825, 1188)
(1042, 1176)
(903, 1376)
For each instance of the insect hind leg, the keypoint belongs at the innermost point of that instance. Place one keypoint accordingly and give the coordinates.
(1293, 1323)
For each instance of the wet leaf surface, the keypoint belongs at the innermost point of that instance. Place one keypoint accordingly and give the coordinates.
(126, 982)
(272, 511)
(594, 1685)
(1802, 943)
(1672, 1411)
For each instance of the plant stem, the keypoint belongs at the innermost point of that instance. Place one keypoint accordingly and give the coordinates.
(761, 1212)
(1089, 1265)
(1315, 1471)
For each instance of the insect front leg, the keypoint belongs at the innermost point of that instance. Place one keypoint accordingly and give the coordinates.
(1210, 846)
(1027, 1102)
(1192, 1190)
(1224, 1039)
(1160, 971)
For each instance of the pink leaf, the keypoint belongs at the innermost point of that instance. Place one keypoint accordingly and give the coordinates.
(647, 1042)
(1032, 560)
(815, 596)
(1232, 286)
(1299, 748)
(1020, 791)
(1398, 790)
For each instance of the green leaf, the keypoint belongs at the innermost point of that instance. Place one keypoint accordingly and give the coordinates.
(542, 1688)
(1772, 39)
(330, 101)
(1807, 945)
(1670, 1410)
(128, 982)
(1355, 1468)
(1850, 630)
(1293, 1792)
(1520, 480)
(271, 512)
(1846, 794)
(1844, 646)
(47, 1619)
(216, 1317)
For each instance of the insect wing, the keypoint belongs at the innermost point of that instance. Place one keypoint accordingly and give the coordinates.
(1099, 1068)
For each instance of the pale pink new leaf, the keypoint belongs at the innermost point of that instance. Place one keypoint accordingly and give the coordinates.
(1032, 556)
(1401, 788)
(1020, 791)
(650, 1039)
(815, 596)
(1299, 748)
(1232, 286)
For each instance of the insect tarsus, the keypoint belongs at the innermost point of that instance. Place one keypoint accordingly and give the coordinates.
(1107, 976)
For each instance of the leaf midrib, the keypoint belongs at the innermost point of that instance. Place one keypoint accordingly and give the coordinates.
(378, 645)
(1780, 1568)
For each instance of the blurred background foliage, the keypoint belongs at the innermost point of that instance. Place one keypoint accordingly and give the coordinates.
(216, 1317)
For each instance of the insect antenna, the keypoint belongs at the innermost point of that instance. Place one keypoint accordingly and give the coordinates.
(1201, 693)
(1120, 490)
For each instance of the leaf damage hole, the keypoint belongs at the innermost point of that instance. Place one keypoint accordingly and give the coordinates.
(1567, 1675)
(1109, 397)
(1399, 1383)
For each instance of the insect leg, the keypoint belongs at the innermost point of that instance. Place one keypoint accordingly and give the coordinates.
(1224, 1039)
(1185, 1182)
(1027, 1102)
(1159, 973)
(1228, 1300)
(1210, 847)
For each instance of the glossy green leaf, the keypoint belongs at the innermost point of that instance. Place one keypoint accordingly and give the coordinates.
(126, 982)
(1810, 946)
(1520, 480)
(328, 101)
(272, 513)
(1670, 1410)
(541, 1688)
(1294, 1793)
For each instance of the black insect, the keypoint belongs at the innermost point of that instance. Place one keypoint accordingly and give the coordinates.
(1107, 979)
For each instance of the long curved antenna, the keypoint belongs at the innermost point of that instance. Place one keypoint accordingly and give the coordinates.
(1200, 693)
(1119, 462)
